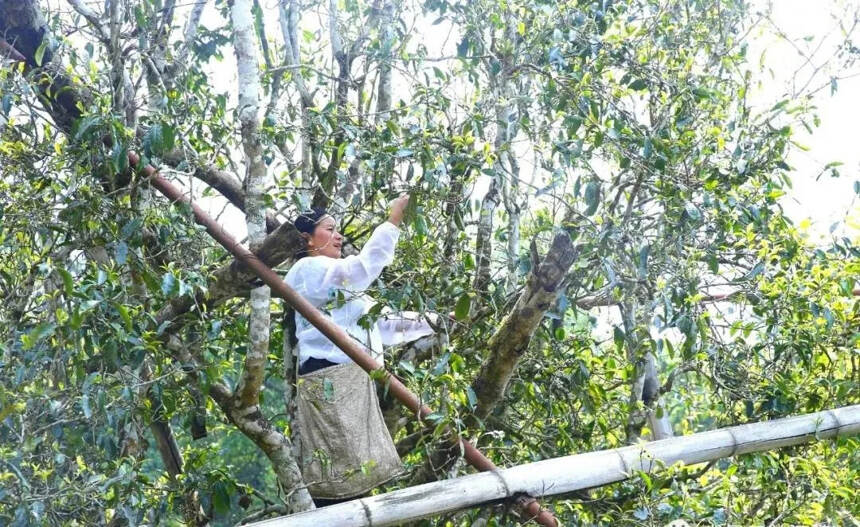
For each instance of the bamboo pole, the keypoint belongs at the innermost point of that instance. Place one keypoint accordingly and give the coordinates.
(582, 471)
(531, 509)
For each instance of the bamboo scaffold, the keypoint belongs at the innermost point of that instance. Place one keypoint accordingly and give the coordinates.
(582, 471)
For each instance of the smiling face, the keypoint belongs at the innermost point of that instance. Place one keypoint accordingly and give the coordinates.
(325, 240)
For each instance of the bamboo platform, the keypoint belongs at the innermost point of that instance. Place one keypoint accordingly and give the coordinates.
(582, 471)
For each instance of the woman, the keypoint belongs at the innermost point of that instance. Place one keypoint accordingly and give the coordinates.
(346, 449)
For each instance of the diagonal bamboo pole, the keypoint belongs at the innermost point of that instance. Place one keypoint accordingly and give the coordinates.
(583, 471)
(531, 508)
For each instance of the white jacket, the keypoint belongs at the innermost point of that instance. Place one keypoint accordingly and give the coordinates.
(336, 286)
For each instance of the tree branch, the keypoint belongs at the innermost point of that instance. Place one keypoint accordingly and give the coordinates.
(509, 342)
(93, 18)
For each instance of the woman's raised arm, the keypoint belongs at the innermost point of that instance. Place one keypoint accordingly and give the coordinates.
(354, 273)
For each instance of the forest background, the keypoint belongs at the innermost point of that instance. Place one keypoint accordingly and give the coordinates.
(604, 193)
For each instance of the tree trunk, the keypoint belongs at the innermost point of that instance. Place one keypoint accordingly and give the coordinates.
(484, 243)
(386, 35)
(243, 406)
(249, 108)
(510, 341)
(289, 18)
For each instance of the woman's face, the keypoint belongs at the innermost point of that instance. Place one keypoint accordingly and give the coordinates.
(325, 240)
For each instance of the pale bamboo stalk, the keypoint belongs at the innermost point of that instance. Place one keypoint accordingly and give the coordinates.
(582, 471)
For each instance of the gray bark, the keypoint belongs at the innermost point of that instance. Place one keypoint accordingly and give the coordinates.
(499, 185)
(645, 404)
(243, 406)
(249, 108)
(510, 341)
(386, 35)
(190, 33)
(484, 241)
(289, 17)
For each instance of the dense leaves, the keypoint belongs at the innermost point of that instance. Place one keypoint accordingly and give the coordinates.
(693, 299)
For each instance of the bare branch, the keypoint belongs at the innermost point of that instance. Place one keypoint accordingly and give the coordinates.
(93, 18)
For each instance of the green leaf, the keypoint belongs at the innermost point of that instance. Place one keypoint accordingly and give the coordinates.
(154, 141)
(85, 406)
(407, 366)
(638, 84)
(84, 125)
(68, 281)
(126, 318)
(592, 197)
(168, 283)
(441, 364)
(618, 338)
(670, 348)
(40, 52)
(221, 498)
(328, 389)
(755, 271)
(420, 226)
(168, 138)
(647, 148)
(692, 212)
(643, 261)
(130, 228)
(464, 304)
(463, 47)
(120, 252)
(40, 332)
(469, 261)
(119, 157)
(713, 264)
(470, 395)
(702, 93)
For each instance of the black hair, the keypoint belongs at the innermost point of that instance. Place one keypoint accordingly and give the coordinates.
(306, 222)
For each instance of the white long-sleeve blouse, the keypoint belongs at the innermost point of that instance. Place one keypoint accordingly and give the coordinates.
(336, 286)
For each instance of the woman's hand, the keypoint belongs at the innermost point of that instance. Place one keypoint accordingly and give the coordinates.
(398, 206)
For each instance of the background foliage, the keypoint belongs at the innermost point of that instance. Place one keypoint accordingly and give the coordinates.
(624, 125)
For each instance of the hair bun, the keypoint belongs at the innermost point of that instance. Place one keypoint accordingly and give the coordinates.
(307, 220)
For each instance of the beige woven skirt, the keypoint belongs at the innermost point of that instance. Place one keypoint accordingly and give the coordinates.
(345, 448)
